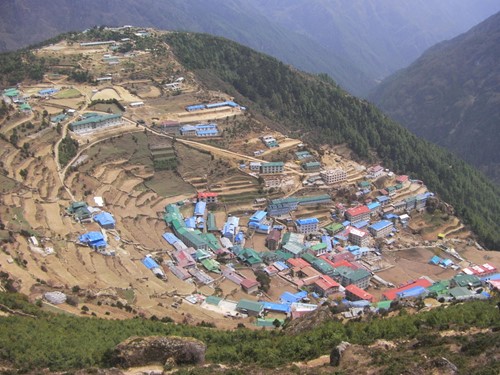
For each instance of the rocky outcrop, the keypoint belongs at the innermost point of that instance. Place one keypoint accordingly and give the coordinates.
(142, 351)
(337, 352)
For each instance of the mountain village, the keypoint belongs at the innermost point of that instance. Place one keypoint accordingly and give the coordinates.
(181, 202)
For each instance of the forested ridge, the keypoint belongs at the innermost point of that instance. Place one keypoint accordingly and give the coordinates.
(63, 342)
(450, 96)
(322, 113)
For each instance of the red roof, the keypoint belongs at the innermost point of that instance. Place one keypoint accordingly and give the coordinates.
(274, 235)
(326, 282)
(359, 292)
(207, 194)
(355, 211)
(343, 255)
(298, 262)
(485, 269)
(249, 283)
(402, 178)
(344, 263)
(392, 293)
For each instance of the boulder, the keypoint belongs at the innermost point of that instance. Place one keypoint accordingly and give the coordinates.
(142, 351)
(336, 353)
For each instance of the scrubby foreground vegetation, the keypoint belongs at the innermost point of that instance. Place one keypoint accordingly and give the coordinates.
(63, 342)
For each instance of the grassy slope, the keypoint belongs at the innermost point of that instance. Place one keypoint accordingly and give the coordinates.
(64, 342)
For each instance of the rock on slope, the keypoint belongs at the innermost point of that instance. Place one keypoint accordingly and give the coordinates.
(141, 351)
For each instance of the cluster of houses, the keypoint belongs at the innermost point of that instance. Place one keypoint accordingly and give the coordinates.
(307, 161)
(465, 285)
(199, 130)
(83, 213)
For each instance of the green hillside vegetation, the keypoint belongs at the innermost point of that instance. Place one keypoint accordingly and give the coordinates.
(64, 342)
(316, 109)
(450, 96)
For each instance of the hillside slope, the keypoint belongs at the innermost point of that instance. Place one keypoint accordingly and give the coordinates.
(378, 37)
(451, 96)
(356, 42)
(322, 113)
(24, 22)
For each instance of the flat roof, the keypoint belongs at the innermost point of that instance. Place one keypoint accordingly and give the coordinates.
(381, 225)
(358, 210)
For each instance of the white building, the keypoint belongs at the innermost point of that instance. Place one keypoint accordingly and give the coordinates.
(97, 122)
(333, 176)
(308, 225)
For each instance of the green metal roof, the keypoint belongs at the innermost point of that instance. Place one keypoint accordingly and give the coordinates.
(313, 198)
(383, 305)
(211, 225)
(248, 305)
(250, 256)
(212, 241)
(193, 238)
(460, 292)
(439, 286)
(211, 264)
(293, 247)
(213, 300)
(95, 119)
(283, 256)
(464, 280)
(273, 164)
(309, 257)
(318, 247)
(268, 322)
(356, 275)
(334, 228)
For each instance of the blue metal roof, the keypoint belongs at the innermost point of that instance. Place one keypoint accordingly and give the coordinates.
(435, 260)
(310, 220)
(328, 241)
(412, 292)
(381, 224)
(360, 224)
(288, 297)
(195, 107)
(91, 237)
(346, 223)
(187, 128)
(150, 263)
(190, 222)
(258, 216)
(200, 208)
(104, 218)
(373, 205)
(495, 276)
(382, 198)
(276, 307)
(207, 132)
(170, 238)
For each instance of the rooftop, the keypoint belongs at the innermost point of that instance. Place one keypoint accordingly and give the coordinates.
(248, 305)
(355, 211)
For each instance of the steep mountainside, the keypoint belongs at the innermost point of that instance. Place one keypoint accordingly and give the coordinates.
(24, 22)
(357, 42)
(451, 96)
(379, 37)
(323, 113)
